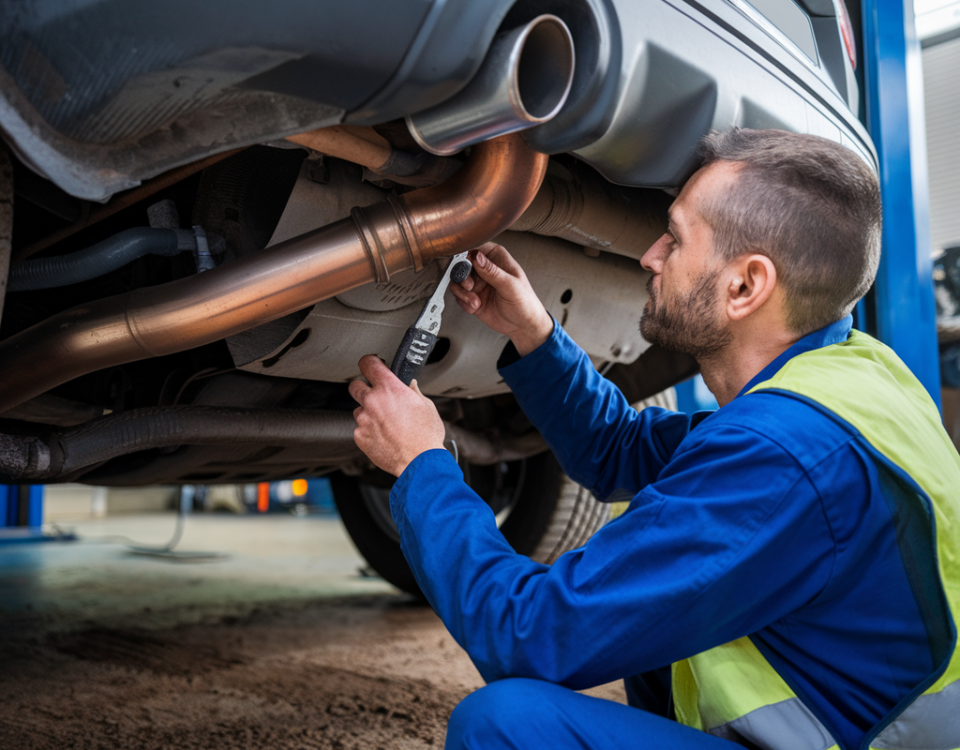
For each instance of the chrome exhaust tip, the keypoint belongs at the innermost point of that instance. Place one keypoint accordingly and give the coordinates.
(523, 81)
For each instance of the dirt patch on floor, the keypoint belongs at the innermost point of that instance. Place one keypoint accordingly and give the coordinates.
(366, 672)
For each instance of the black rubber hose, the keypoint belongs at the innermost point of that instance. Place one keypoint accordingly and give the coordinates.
(98, 260)
(139, 429)
(330, 432)
(65, 451)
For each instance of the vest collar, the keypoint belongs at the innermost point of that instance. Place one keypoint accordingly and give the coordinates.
(835, 333)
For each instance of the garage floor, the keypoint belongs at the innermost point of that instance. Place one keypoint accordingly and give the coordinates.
(279, 644)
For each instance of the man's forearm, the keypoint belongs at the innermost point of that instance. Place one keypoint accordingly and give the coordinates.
(534, 336)
(485, 593)
(639, 593)
(601, 442)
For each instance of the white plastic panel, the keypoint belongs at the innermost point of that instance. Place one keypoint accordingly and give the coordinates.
(601, 312)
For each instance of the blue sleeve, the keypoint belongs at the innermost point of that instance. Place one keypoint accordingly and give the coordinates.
(686, 568)
(600, 441)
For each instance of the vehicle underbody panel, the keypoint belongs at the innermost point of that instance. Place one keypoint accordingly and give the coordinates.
(98, 119)
(277, 134)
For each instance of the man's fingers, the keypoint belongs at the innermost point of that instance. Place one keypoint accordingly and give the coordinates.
(491, 273)
(497, 268)
(375, 371)
(473, 283)
(464, 306)
(478, 285)
(502, 258)
(468, 301)
(359, 390)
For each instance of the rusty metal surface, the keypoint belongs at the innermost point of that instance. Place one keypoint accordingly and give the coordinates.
(361, 145)
(365, 146)
(480, 200)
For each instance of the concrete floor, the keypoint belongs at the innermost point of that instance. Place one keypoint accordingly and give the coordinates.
(271, 558)
(268, 646)
(280, 644)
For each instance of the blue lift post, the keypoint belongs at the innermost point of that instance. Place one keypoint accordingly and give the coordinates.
(900, 310)
(21, 505)
(21, 514)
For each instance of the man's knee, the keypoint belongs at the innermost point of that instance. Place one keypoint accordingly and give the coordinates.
(495, 716)
(522, 714)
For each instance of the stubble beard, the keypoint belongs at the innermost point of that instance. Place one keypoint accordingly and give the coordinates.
(691, 325)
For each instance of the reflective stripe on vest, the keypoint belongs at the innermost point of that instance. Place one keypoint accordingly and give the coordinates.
(788, 725)
(732, 691)
(931, 722)
(768, 713)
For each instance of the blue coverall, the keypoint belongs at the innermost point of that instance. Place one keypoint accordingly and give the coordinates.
(757, 519)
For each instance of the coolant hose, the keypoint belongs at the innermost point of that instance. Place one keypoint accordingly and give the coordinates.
(99, 259)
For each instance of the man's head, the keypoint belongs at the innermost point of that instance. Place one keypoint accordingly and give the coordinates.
(795, 218)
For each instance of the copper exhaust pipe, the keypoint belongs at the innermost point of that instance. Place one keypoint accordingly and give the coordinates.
(481, 200)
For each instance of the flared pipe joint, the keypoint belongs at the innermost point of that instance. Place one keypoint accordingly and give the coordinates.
(486, 196)
(523, 81)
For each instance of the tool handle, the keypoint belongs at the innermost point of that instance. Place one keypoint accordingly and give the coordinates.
(412, 354)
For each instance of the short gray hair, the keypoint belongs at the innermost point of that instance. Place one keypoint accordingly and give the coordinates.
(810, 205)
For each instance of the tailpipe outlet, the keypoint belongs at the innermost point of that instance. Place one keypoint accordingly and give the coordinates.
(524, 81)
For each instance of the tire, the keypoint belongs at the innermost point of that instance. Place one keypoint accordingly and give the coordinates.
(6, 218)
(541, 512)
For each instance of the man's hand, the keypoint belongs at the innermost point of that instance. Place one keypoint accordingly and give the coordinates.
(395, 424)
(501, 296)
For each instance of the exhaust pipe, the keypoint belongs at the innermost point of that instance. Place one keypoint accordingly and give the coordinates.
(66, 453)
(523, 81)
(481, 200)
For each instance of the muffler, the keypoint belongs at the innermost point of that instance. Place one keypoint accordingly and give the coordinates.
(481, 200)
(523, 81)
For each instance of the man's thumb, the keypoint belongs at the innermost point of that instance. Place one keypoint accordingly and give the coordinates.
(488, 271)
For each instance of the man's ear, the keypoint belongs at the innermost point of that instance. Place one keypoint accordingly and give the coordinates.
(750, 280)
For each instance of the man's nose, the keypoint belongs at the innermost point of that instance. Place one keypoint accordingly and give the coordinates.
(652, 260)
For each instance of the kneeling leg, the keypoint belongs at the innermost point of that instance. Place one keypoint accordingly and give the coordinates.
(522, 714)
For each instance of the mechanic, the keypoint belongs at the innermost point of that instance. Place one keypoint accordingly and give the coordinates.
(793, 555)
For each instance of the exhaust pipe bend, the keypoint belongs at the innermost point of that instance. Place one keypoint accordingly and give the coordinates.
(481, 200)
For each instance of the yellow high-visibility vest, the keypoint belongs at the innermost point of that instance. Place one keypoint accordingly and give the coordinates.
(732, 691)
